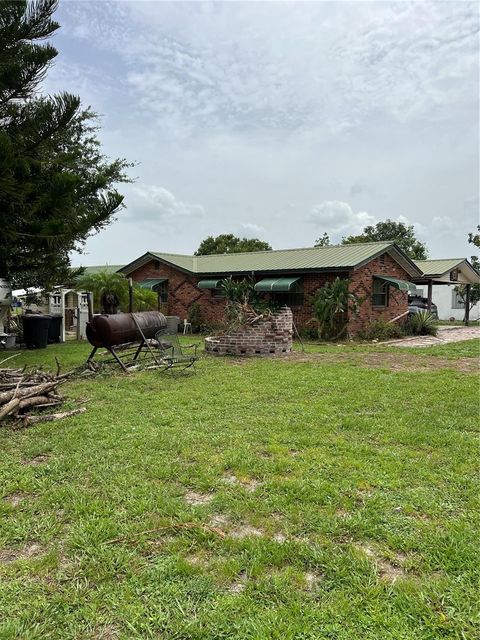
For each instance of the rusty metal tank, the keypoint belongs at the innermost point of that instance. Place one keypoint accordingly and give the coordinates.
(110, 330)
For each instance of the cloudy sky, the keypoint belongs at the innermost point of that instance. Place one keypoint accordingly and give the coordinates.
(279, 120)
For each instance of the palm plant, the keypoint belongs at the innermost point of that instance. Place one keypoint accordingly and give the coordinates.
(331, 305)
(423, 323)
(106, 287)
(144, 299)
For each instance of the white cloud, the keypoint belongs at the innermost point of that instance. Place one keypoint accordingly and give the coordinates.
(338, 218)
(264, 109)
(152, 203)
(251, 230)
(286, 65)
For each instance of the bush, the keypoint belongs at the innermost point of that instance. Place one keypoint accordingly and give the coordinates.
(331, 305)
(422, 324)
(195, 317)
(244, 305)
(382, 330)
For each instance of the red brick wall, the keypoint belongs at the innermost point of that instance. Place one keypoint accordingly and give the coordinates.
(361, 283)
(183, 291)
(266, 337)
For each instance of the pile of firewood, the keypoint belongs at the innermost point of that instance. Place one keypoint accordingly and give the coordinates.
(24, 390)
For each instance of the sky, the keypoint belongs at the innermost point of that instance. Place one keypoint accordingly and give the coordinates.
(279, 120)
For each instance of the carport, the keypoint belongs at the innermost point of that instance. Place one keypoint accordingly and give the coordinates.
(448, 271)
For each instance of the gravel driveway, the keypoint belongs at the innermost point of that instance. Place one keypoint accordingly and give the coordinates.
(445, 335)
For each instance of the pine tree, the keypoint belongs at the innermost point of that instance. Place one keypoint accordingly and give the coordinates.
(56, 186)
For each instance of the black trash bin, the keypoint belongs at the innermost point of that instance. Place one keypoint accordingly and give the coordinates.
(35, 330)
(55, 327)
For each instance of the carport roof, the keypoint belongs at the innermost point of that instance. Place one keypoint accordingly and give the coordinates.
(439, 268)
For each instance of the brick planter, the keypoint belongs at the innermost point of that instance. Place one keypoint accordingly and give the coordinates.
(270, 337)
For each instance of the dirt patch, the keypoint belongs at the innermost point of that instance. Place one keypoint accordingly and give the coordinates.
(251, 485)
(219, 520)
(390, 570)
(40, 459)
(280, 538)
(194, 498)
(29, 551)
(387, 360)
(106, 632)
(245, 531)
(238, 585)
(17, 497)
(312, 579)
(197, 559)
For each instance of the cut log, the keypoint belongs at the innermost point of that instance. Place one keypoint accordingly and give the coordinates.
(28, 420)
(37, 390)
(8, 408)
(37, 401)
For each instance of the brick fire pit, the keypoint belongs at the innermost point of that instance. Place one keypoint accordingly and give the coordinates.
(265, 338)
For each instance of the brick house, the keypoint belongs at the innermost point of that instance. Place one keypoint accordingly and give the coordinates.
(379, 274)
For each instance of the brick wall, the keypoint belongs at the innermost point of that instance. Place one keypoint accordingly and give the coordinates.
(302, 315)
(267, 337)
(183, 291)
(361, 282)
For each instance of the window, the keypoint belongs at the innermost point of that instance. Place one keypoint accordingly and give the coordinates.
(162, 291)
(381, 260)
(292, 298)
(380, 293)
(457, 302)
(156, 264)
(218, 292)
(454, 275)
(289, 298)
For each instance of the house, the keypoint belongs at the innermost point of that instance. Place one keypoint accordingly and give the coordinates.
(439, 279)
(380, 274)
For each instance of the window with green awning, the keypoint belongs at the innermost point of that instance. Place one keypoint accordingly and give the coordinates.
(152, 283)
(401, 285)
(276, 284)
(209, 284)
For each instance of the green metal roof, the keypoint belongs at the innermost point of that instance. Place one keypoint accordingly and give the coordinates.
(313, 258)
(402, 285)
(104, 267)
(275, 284)
(438, 267)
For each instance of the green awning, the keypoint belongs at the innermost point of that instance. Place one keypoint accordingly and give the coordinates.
(402, 285)
(209, 284)
(151, 283)
(276, 284)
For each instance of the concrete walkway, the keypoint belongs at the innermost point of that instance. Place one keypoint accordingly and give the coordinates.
(445, 335)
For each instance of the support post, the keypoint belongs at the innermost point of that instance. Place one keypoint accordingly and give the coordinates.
(130, 295)
(467, 304)
(90, 306)
(429, 296)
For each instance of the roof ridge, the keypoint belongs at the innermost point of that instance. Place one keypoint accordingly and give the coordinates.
(245, 253)
(441, 259)
(169, 253)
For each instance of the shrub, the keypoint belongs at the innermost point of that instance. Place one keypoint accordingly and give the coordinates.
(422, 324)
(331, 305)
(195, 317)
(244, 305)
(381, 330)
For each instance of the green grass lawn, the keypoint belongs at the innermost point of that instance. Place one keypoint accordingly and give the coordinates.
(329, 495)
